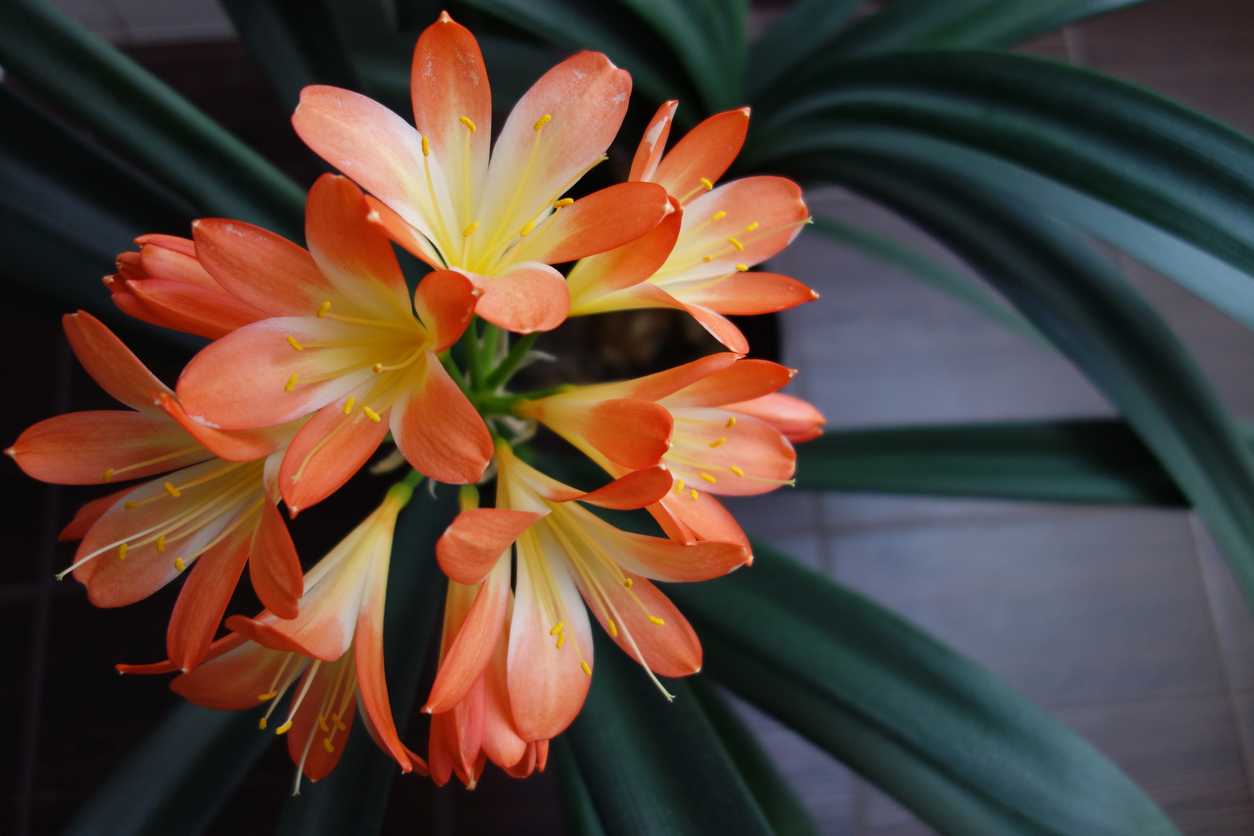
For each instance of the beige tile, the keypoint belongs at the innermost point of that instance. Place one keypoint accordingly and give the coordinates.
(1233, 623)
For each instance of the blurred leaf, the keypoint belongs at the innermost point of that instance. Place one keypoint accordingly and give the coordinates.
(916, 264)
(352, 799)
(179, 776)
(931, 24)
(270, 41)
(792, 41)
(1095, 461)
(654, 768)
(581, 814)
(1092, 315)
(145, 119)
(785, 812)
(960, 748)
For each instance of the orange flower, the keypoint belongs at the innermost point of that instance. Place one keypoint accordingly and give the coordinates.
(565, 552)
(500, 222)
(697, 259)
(344, 342)
(725, 439)
(165, 284)
(217, 511)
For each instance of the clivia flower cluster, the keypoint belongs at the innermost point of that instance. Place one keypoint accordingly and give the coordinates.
(320, 356)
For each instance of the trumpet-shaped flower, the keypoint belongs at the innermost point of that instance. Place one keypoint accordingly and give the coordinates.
(698, 258)
(165, 284)
(717, 445)
(212, 515)
(565, 552)
(501, 221)
(343, 342)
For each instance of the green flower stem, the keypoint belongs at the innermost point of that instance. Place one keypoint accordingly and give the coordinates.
(474, 359)
(491, 335)
(403, 490)
(446, 360)
(511, 362)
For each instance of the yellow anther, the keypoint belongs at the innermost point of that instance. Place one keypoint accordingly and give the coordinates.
(348, 404)
(178, 564)
(693, 493)
(122, 552)
(707, 477)
(426, 147)
(627, 583)
(557, 628)
(130, 506)
(586, 669)
(705, 182)
(736, 244)
(371, 414)
(752, 226)
(322, 723)
(706, 259)
(108, 474)
(679, 486)
(526, 230)
(326, 744)
(261, 724)
(718, 442)
(161, 542)
(613, 630)
(561, 639)
(283, 728)
(470, 230)
(718, 216)
(292, 342)
(339, 724)
(737, 471)
(653, 619)
(465, 120)
(377, 368)
(742, 267)
(171, 490)
(323, 308)
(290, 385)
(268, 695)
(731, 422)
(566, 201)
(542, 121)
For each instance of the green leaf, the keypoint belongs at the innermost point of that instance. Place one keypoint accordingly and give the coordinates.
(178, 777)
(581, 813)
(654, 768)
(145, 119)
(785, 812)
(351, 800)
(1095, 461)
(932, 24)
(1120, 145)
(916, 264)
(793, 40)
(1090, 312)
(960, 748)
(266, 33)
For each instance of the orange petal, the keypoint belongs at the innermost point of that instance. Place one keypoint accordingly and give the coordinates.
(304, 738)
(501, 742)
(233, 680)
(445, 301)
(796, 419)
(439, 753)
(110, 363)
(774, 204)
(88, 515)
(720, 328)
(635, 490)
(601, 221)
(668, 649)
(741, 381)
(525, 765)
(273, 564)
(371, 680)
(81, 447)
(706, 152)
(402, 233)
(463, 729)
(653, 143)
(326, 453)
(630, 432)
(657, 386)
(195, 310)
(439, 431)
(748, 294)
(476, 541)
(686, 520)
(622, 267)
(175, 265)
(761, 454)
(526, 297)
(665, 560)
(186, 246)
(448, 82)
(203, 599)
(232, 445)
(260, 268)
(129, 304)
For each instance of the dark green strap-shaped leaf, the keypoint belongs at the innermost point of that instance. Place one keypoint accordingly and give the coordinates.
(145, 119)
(1094, 461)
(351, 800)
(1093, 315)
(264, 30)
(916, 264)
(930, 24)
(581, 813)
(781, 806)
(964, 751)
(178, 778)
(793, 40)
(1153, 159)
(654, 768)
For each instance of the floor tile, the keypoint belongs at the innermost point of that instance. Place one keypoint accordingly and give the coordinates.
(1234, 624)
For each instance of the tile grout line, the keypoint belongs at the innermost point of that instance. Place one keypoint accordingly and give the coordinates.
(1243, 738)
(41, 618)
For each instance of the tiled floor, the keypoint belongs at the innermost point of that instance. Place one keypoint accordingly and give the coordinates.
(1124, 623)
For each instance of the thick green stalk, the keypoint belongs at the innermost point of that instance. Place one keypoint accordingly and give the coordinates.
(474, 358)
(511, 362)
